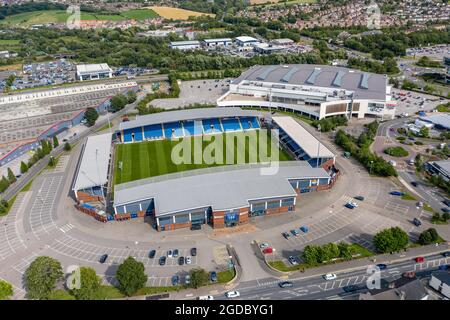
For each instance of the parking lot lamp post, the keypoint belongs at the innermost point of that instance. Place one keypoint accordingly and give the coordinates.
(370, 170)
(318, 144)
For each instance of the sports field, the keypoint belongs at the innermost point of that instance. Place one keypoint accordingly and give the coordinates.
(59, 16)
(147, 159)
(177, 13)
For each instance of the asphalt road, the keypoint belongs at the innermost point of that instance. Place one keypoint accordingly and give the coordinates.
(316, 288)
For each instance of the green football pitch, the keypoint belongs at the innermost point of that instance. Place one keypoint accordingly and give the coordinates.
(140, 160)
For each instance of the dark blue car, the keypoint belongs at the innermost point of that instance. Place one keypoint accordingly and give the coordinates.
(396, 193)
(382, 266)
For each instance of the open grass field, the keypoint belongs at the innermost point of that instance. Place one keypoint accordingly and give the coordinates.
(59, 16)
(147, 159)
(177, 13)
(280, 2)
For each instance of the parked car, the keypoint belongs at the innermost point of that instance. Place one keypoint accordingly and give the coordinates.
(417, 222)
(410, 274)
(447, 202)
(382, 266)
(213, 276)
(446, 254)
(285, 284)
(162, 260)
(293, 260)
(188, 260)
(419, 259)
(304, 229)
(103, 258)
(193, 252)
(169, 254)
(181, 261)
(263, 245)
(360, 198)
(414, 183)
(175, 280)
(351, 205)
(286, 235)
(175, 253)
(396, 193)
(206, 298)
(232, 294)
(330, 276)
(152, 254)
(444, 267)
(187, 279)
(419, 204)
(268, 250)
(295, 232)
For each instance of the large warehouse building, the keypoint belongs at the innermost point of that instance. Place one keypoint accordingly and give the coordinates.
(315, 91)
(93, 71)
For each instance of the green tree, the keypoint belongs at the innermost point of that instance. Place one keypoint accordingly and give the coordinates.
(91, 115)
(310, 255)
(131, 96)
(424, 132)
(23, 167)
(89, 284)
(55, 142)
(4, 184)
(446, 216)
(67, 146)
(52, 162)
(345, 251)
(118, 102)
(199, 278)
(6, 290)
(390, 240)
(41, 277)
(11, 176)
(131, 276)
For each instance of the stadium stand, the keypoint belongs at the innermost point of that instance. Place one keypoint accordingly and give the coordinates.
(212, 126)
(191, 128)
(153, 132)
(249, 123)
(231, 124)
(173, 129)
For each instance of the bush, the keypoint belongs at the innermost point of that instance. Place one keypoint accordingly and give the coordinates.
(401, 138)
(396, 152)
(429, 236)
(419, 143)
(67, 146)
(91, 115)
(6, 290)
(199, 278)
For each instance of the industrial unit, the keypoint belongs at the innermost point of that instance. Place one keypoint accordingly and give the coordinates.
(93, 71)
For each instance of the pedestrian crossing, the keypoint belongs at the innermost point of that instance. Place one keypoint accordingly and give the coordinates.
(66, 228)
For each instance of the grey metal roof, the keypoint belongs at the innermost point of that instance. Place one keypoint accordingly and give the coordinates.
(322, 76)
(225, 187)
(188, 114)
(93, 169)
(443, 276)
(443, 164)
(442, 120)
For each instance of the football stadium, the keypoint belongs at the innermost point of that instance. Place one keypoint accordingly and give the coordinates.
(314, 91)
(250, 171)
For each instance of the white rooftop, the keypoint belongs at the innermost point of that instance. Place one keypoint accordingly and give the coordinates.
(218, 40)
(93, 68)
(93, 169)
(302, 137)
(246, 39)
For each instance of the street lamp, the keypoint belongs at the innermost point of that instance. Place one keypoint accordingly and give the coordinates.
(318, 144)
(371, 163)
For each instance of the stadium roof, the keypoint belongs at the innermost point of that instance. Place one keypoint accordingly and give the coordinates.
(444, 165)
(302, 137)
(93, 68)
(185, 43)
(225, 187)
(364, 85)
(93, 169)
(187, 114)
(441, 120)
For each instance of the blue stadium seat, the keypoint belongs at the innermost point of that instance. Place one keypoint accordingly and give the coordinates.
(211, 125)
(191, 128)
(172, 127)
(249, 123)
(129, 133)
(231, 124)
(153, 131)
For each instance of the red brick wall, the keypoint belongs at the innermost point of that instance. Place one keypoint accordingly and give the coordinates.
(278, 210)
(85, 197)
(218, 219)
(243, 215)
(329, 163)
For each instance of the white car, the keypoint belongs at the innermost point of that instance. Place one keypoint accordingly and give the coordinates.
(263, 245)
(330, 276)
(206, 298)
(169, 254)
(232, 294)
(188, 260)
